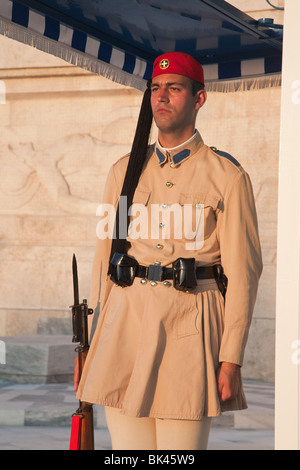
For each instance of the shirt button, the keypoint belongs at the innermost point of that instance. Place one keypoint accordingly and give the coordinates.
(161, 225)
(159, 246)
(153, 283)
(164, 205)
(167, 284)
(169, 184)
(172, 165)
(143, 281)
(157, 263)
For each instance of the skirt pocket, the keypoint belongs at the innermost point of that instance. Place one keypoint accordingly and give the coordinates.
(187, 314)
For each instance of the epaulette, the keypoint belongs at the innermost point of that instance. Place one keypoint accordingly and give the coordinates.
(226, 155)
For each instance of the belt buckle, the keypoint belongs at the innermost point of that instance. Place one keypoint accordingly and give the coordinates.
(155, 272)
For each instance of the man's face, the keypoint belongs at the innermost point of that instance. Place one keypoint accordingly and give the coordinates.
(173, 105)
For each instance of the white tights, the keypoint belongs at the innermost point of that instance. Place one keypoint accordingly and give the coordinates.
(130, 433)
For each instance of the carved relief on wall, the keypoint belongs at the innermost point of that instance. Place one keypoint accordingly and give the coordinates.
(69, 174)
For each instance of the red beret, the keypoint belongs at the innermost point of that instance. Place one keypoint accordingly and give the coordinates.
(179, 63)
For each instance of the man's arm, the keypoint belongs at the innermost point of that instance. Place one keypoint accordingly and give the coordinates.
(242, 263)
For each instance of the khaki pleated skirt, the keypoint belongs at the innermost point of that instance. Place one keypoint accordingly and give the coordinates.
(157, 353)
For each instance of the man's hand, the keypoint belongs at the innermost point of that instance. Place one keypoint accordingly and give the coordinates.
(228, 381)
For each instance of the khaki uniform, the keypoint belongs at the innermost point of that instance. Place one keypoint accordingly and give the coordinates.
(156, 350)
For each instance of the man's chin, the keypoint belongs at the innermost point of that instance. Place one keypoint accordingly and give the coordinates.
(163, 124)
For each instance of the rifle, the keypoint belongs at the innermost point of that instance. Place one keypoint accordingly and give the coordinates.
(82, 429)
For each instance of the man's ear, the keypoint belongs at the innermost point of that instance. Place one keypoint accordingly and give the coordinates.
(201, 97)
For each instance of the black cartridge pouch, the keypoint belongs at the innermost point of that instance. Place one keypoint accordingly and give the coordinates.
(220, 278)
(184, 274)
(123, 269)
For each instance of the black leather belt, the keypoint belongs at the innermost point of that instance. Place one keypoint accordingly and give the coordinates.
(184, 273)
(156, 272)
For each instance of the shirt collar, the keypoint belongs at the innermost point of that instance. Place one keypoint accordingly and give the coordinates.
(178, 154)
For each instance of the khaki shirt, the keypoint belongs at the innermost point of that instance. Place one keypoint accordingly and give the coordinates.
(151, 339)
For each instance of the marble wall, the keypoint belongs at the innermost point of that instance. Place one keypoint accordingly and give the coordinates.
(61, 128)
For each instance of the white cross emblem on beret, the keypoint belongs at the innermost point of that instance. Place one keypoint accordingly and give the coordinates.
(164, 64)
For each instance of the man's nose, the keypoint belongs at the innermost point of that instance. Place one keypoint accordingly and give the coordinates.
(163, 94)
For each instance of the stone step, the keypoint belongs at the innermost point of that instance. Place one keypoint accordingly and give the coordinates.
(53, 405)
(54, 326)
(38, 359)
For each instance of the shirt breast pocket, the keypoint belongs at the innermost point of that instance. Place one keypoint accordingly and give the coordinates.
(199, 217)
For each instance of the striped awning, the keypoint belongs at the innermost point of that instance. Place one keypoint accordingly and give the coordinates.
(120, 39)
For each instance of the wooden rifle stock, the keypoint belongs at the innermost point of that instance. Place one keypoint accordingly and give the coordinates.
(82, 429)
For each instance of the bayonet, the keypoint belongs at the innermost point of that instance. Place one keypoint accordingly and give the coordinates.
(75, 281)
